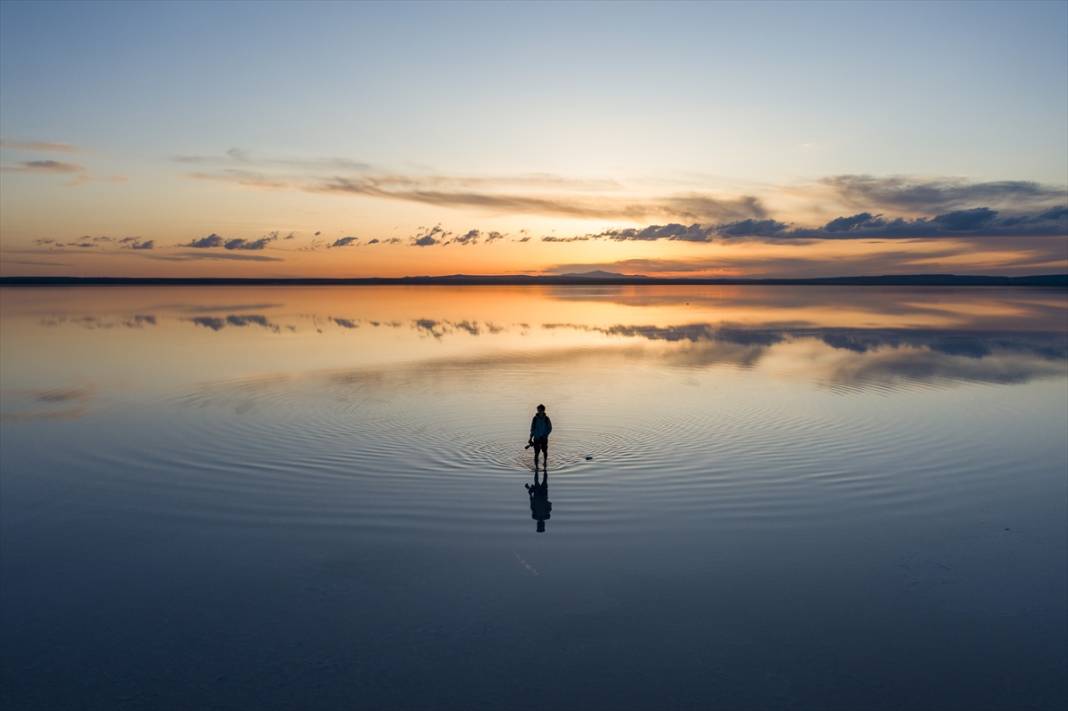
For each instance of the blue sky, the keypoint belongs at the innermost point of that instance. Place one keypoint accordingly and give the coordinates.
(734, 98)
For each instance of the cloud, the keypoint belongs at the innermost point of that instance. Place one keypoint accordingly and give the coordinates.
(557, 196)
(703, 207)
(47, 146)
(469, 237)
(137, 243)
(92, 242)
(254, 244)
(428, 237)
(239, 156)
(940, 194)
(475, 236)
(456, 192)
(575, 238)
(977, 222)
(346, 242)
(752, 228)
(973, 222)
(692, 206)
(45, 166)
(77, 173)
(207, 256)
(214, 240)
(374, 241)
(672, 231)
(685, 233)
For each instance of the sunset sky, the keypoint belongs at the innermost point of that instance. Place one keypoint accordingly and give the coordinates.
(713, 139)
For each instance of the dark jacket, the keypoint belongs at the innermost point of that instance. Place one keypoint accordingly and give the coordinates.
(540, 426)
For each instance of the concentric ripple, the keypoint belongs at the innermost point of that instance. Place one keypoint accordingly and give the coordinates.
(390, 453)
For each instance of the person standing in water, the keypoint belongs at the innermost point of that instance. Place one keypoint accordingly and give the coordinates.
(540, 427)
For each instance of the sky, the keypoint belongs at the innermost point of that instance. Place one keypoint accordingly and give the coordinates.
(688, 139)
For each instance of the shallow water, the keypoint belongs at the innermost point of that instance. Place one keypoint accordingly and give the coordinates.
(313, 498)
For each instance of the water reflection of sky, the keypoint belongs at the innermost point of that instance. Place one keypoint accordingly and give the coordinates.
(87, 340)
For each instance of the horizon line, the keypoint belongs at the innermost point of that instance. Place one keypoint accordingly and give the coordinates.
(599, 279)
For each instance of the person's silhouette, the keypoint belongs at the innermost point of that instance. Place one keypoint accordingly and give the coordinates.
(540, 428)
(540, 506)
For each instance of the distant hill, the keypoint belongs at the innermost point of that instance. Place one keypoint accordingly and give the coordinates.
(586, 278)
(601, 274)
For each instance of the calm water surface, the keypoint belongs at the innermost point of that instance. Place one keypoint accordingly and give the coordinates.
(313, 498)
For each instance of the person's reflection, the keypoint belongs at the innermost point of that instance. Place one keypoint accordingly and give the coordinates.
(540, 506)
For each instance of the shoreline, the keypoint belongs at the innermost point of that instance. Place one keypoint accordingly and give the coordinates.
(1043, 280)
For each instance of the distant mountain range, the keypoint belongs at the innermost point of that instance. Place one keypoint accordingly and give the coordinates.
(583, 278)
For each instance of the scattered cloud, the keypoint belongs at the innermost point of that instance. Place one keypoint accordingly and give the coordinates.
(77, 173)
(214, 240)
(690, 206)
(137, 243)
(973, 222)
(92, 242)
(253, 244)
(575, 238)
(238, 156)
(47, 146)
(207, 256)
(45, 166)
(428, 237)
(346, 242)
(211, 241)
(469, 237)
(913, 194)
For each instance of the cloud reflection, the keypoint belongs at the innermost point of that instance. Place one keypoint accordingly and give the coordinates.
(218, 323)
(986, 338)
(60, 403)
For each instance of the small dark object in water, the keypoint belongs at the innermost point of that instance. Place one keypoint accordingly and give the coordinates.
(589, 457)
